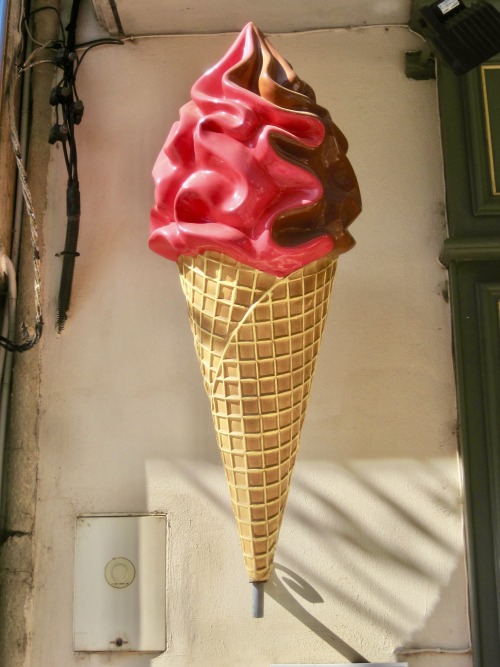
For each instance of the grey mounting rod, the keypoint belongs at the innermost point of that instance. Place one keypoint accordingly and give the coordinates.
(258, 599)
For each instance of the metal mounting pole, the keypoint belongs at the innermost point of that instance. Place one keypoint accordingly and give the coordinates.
(258, 599)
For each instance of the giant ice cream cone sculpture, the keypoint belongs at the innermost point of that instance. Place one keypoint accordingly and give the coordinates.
(257, 338)
(254, 194)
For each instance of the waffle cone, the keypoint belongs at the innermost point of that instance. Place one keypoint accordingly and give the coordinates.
(257, 338)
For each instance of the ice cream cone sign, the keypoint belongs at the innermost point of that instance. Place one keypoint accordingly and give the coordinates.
(254, 196)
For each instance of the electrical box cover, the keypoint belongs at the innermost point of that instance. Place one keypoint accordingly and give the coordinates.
(120, 583)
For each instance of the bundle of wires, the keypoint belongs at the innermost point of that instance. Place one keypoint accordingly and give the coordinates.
(67, 104)
(63, 53)
(69, 113)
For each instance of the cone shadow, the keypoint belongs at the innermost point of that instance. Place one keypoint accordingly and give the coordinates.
(279, 592)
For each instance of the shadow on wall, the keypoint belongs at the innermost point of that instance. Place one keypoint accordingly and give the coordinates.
(278, 590)
(378, 541)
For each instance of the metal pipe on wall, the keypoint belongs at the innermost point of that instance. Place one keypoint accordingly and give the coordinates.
(9, 319)
(3, 21)
(258, 599)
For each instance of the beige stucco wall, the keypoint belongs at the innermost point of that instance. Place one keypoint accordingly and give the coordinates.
(373, 523)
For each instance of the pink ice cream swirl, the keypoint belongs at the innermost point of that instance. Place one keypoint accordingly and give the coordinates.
(254, 168)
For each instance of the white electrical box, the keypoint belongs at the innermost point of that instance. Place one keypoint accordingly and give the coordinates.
(120, 583)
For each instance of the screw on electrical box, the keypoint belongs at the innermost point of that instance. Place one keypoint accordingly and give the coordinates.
(118, 642)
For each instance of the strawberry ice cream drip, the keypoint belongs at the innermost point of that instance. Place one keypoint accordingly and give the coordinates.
(254, 168)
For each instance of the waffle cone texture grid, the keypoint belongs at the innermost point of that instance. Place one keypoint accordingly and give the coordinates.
(257, 339)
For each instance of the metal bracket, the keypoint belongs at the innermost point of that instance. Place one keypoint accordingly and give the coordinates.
(420, 65)
(415, 21)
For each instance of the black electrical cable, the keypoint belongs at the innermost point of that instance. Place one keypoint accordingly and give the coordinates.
(71, 27)
(10, 346)
(69, 63)
(91, 45)
(68, 113)
(72, 111)
(99, 42)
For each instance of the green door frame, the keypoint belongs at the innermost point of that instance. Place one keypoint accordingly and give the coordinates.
(471, 153)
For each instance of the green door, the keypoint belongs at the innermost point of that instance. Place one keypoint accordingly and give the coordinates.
(470, 118)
